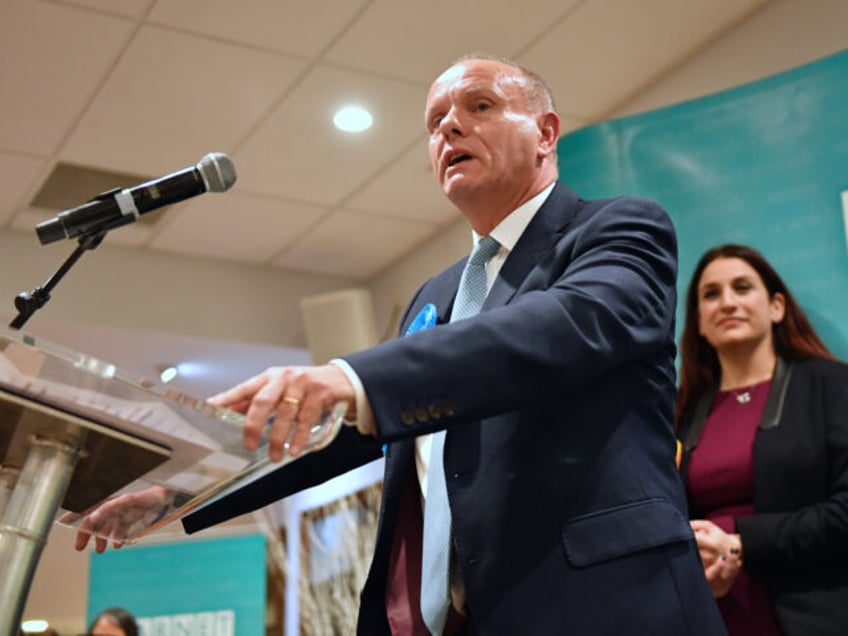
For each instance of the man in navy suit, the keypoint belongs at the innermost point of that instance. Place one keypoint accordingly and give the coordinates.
(568, 516)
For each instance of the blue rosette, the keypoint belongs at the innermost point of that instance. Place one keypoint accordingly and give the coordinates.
(425, 319)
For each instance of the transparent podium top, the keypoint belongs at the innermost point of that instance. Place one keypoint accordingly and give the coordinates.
(148, 454)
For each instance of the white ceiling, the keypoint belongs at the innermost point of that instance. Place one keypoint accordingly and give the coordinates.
(148, 87)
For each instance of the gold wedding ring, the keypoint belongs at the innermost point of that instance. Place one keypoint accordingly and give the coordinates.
(288, 399)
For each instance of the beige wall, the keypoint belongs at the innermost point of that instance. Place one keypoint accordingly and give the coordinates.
(116, 286)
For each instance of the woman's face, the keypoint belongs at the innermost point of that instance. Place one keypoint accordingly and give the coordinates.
(734, 307)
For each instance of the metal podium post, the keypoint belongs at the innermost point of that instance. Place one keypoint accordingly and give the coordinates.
(27, 518)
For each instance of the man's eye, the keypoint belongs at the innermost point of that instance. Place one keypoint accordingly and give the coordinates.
(434, 123)
(482, 106)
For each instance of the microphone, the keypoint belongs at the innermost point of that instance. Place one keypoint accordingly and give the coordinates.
(214, 173)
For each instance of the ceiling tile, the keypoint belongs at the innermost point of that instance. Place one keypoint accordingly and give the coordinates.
(589, 76)
(129, 8)
(354, 244)
(298, 152)
(390, 192)
(417, 41)
(52, 59)
(17, 177)
(236, 226)
(298, 28)
(175, 97)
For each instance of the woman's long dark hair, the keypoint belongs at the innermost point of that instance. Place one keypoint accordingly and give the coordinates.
(794, 337)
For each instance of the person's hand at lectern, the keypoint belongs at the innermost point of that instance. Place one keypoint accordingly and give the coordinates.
(117, 518)
(292, 399)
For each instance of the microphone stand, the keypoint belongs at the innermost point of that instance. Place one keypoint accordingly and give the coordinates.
(27, 303)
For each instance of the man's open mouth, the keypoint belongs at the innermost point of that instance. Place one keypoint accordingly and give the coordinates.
(457, 159)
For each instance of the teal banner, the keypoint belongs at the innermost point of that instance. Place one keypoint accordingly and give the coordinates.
(765, 165)
(213, 587)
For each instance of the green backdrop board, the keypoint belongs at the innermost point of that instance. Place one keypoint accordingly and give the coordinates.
(764, 164)
(208, 587)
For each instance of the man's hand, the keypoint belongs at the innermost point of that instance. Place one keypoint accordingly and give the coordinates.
(295, 397)
(119, 517)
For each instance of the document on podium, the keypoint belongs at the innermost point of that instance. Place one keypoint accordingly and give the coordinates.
(148, 454)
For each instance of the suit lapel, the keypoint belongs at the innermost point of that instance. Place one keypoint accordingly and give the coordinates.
(537, 240)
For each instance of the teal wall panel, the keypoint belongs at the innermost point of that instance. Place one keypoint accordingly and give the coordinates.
(763, 164)
(177, 586)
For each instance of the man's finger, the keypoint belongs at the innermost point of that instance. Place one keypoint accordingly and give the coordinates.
(82, 540)
(243, 392)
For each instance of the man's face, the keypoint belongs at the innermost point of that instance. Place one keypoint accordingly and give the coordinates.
(485, 143)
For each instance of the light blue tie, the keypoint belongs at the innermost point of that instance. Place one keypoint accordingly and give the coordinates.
(435, 560)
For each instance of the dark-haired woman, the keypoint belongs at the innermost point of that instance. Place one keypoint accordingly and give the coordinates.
(763, 419)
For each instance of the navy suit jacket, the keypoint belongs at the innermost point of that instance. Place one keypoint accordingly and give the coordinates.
(568, 511)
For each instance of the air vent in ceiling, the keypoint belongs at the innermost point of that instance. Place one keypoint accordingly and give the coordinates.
(70, 185)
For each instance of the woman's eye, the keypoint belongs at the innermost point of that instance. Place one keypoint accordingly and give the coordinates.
(709, 293)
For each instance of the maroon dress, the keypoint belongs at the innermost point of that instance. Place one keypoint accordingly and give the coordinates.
(720, 484)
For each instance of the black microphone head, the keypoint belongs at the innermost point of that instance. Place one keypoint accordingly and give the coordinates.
(218, 171)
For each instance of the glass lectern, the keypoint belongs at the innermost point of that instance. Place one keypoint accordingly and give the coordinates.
(83, 445)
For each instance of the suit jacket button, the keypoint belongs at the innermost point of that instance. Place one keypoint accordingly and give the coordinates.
(435, 411)
(407, 418)
(421, 415)
(447, 408)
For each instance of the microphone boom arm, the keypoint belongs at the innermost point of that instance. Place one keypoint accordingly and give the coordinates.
(27, 303)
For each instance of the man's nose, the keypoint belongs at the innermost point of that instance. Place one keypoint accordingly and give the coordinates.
(451, 123)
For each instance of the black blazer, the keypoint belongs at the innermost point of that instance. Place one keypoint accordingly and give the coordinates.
(569, 516)
(796, 541)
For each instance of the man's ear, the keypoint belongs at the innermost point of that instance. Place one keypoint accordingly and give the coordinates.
(548, 133)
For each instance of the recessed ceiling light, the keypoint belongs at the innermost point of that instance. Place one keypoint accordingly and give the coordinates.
(34, 626)
(353, 119)
(168, 373)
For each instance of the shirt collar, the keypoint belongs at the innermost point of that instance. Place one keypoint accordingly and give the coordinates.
(508, 231)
